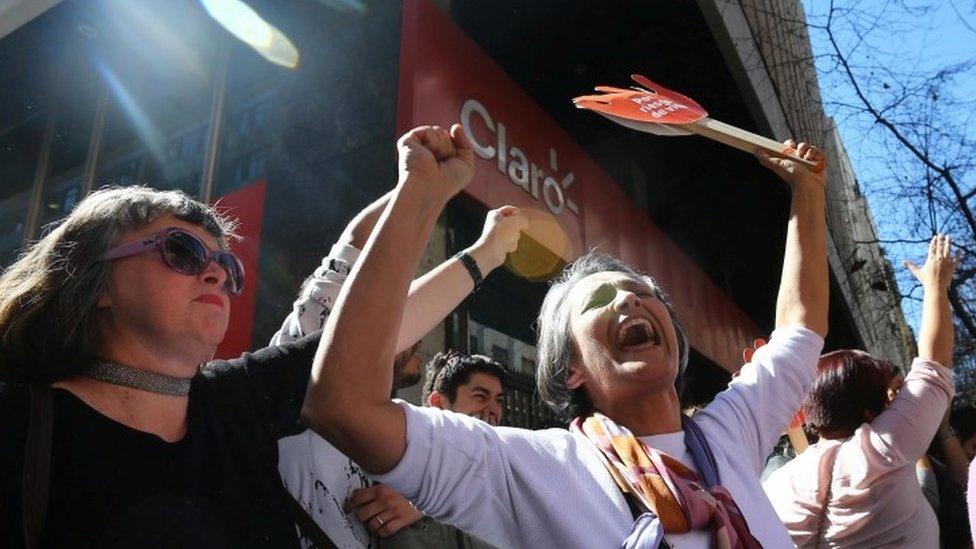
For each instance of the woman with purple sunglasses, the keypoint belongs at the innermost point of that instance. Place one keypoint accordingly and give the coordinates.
(116, 430)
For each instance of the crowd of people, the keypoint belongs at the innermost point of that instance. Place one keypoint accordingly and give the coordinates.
(121, 430)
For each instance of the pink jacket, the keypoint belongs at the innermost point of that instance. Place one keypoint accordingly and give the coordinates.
(862, 491)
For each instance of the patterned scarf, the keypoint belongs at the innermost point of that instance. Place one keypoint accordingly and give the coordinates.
(674, 495)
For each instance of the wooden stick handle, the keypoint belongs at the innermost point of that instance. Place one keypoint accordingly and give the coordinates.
(747, 141)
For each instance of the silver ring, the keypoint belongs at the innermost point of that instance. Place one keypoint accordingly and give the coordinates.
(379, 520)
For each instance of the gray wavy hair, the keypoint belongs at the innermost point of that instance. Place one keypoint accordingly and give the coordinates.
(556, 347)
(49, 296)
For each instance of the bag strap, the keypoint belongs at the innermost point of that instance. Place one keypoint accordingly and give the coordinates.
(309, 528)
(37, 464)
(827, 491)
(701, 452)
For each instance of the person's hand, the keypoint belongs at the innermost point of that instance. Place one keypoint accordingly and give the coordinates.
(939, 266)
(797, 175)
(747, 353)
(441, 161)
(499, 237)
(382, 509)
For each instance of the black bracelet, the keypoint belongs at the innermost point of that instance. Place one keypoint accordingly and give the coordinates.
(472, 266)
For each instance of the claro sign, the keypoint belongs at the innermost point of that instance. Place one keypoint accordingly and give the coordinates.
(510, 160)
(527, 160)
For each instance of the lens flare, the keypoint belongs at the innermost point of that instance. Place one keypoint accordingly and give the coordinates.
(249, 27)
(544, 248)
(149, 34)
(349, 7)
(149, 135)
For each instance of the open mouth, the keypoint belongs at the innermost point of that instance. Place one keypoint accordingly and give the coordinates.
(635, 333)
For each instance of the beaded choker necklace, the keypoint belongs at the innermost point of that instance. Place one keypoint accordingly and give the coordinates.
(143, 380)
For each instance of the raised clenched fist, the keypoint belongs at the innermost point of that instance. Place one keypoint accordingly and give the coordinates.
(440, 160)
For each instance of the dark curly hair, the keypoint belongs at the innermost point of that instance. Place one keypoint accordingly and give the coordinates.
(449, 370)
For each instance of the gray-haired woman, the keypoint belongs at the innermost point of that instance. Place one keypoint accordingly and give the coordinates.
(610, 353)
(105, 323)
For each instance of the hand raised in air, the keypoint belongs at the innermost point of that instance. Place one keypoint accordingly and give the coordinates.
(499, 237)
(796, 174)
(939, 266)
(441, 160)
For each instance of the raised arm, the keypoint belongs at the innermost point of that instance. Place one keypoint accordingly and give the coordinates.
(935, 340)
(348, 396)
(358, 230)
(908, 425)
(759, 403)
(434, 295)
(937, 332)
(319, 292)
(803, 289)
(956, 460)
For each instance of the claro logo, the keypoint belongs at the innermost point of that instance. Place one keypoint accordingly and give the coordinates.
(511, 161)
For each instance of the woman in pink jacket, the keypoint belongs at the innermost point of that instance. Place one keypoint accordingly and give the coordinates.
(857, 486)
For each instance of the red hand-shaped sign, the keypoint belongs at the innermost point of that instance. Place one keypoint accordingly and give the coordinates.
(658, 110)
(652, 103)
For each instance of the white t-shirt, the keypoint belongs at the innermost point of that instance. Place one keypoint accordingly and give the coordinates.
(673, 444)
(319, 477)
(519, 488)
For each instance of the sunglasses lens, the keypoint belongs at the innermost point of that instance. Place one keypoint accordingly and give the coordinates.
(234, 269)
(184, 252)
(188, 255)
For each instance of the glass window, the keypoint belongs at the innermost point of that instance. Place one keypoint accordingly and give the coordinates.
(71, 135)
(64, 181)
(25, 61)
(59, 198)
(20, 147)
(249, 105)
(153, 62)
(156, 62)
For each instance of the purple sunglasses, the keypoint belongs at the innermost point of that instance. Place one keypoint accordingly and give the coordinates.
(185, 253)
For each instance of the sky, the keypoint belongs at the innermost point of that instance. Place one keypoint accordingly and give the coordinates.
(896, 38)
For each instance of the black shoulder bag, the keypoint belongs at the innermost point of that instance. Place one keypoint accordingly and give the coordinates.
(37, 464)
